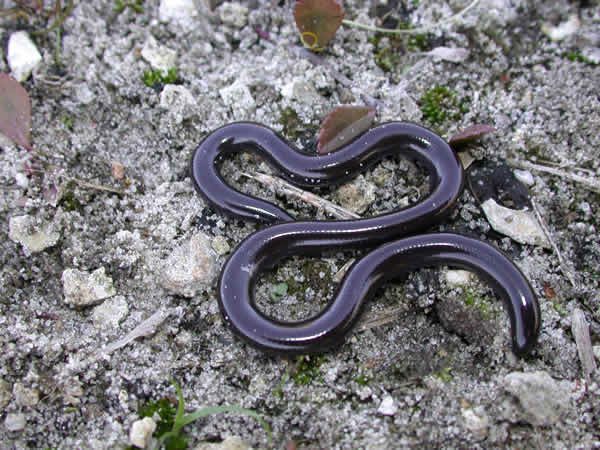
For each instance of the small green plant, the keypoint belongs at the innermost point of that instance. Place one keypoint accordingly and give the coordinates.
(169, 428)
(136, 6)
(445, 375)
(307, 369)
(577, 56)
(439, 104)
(155, 78)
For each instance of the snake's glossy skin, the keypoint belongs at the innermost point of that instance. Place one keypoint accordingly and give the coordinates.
(287, 237)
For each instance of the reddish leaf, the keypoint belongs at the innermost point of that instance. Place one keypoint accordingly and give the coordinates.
(317, 21)
(15, 111)
(342, 125)
(470, 134)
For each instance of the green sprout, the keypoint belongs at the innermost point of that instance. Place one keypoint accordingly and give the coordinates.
(155, 78)
(135, 6)
(169, 429)
(439, 104)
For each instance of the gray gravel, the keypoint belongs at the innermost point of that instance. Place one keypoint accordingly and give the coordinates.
(431, 364)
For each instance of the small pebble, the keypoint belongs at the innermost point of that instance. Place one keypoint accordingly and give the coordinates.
(23, 56)
(141, 432)
(15, 421)
(111, 312)
(524, 176)
(35, 237)
(387, 406)
(85, 288)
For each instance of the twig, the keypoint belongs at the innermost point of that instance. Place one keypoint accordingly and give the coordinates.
(384, 317)
(561, 261)
(581, 333)
(287, 189)
(98, 187)
(419, 30)
(591, 184)
(145, 328)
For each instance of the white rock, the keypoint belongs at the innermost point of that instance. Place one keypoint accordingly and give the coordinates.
(301, 91)
(190, 267)
(141, 432)
(596, 350)
(450, 54)
(25, 396)
(84, 288)
(178, 101)
(458, 277)
(111, 312)
(234, 14)
(387, 406)
(563, 30)
(158, 56)
(220, 245)
(542, 399)
(33, 236)
(84, 94)
(178, 12)
(230, 443)
(519, 225)
(525, 177)
(14, 421)
(592, 54)
(23, 56)
(21, 180)
(238, 96)
(476, 421)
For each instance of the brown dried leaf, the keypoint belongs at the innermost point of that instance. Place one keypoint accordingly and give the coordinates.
(15, 111)
(470, 134)
(317, 21)
(342, 125)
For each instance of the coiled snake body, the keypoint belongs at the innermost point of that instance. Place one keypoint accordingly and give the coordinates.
(396, 256)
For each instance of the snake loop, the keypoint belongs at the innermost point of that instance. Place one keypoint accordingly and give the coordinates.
(287, 237)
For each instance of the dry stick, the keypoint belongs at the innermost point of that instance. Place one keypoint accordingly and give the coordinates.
(419, 30)
(561, 261)
(289, 190)
(384, 317)
(588, 183)
(581, 333)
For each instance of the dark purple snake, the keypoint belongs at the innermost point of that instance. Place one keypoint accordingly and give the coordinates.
(286, 236)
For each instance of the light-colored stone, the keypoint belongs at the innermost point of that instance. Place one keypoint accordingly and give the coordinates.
(543, 400)
(190, 267)
(15, 422)
(141, 432)
(158, 56)
(524, 176)
(476, 421)
(356, 195)
(458, 277)
(238, 95)
(519, 225)
(178, 101)
(31, 234)
(300, 90)
(563, 30)
(230, 443)
(178, 12)
(233, 14)
(84, 288)
(388, 406)
(111, 312)
(25, 396)
(23, 56)
(220, 245)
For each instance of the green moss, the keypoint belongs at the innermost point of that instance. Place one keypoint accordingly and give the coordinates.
(576, 56)
(69, 202)
(445, 374)
(440, 104)
(165, 409)
(67, 121)
(278, 291)
(307, 369)
(480, 303)
(387, 56)
(418, 42)
(292, 125)
(155, 78)
(135, 6)
(362, 379)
